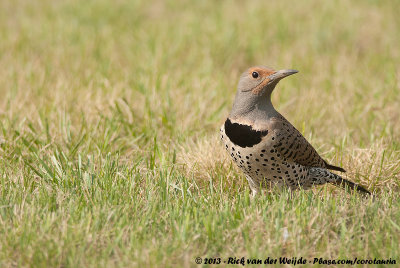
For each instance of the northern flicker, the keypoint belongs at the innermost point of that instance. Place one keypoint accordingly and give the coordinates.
(266, 147)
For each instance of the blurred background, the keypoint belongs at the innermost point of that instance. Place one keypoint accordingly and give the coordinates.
(113, 92)
(177, 63)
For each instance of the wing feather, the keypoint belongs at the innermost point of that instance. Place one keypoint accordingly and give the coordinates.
(292, 145)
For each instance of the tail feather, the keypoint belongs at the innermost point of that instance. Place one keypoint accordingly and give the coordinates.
(320, 176)
(355, 187)
(332, 167)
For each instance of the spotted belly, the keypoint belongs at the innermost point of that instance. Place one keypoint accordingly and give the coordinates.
(264, 166)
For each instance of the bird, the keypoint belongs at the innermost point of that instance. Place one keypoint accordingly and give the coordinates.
(269, 150)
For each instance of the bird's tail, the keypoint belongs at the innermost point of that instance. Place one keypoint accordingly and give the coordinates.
(321, 176)
(332, 167)
(355, 187)
(335, 168)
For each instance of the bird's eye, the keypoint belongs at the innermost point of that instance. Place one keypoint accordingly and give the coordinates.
(254, 74)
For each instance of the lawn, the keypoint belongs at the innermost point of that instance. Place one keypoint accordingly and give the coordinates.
(109, 125)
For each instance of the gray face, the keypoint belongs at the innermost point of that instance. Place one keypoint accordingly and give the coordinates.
(255, 80)
(255, 88)
(261, 79)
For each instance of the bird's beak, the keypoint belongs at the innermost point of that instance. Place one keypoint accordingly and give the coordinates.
(281, 74)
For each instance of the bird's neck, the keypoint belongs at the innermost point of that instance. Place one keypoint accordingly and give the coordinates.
(256, 112)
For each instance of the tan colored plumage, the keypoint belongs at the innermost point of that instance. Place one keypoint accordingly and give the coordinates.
(296, 148)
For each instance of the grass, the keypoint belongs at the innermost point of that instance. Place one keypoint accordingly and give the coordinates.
(109, 118)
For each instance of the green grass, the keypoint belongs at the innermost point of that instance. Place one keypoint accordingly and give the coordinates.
(109, 118)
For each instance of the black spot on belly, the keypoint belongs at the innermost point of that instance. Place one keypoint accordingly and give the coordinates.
(243, 135)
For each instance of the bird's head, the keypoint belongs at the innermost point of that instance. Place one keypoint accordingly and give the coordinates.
(255, 88)
(260, 80)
